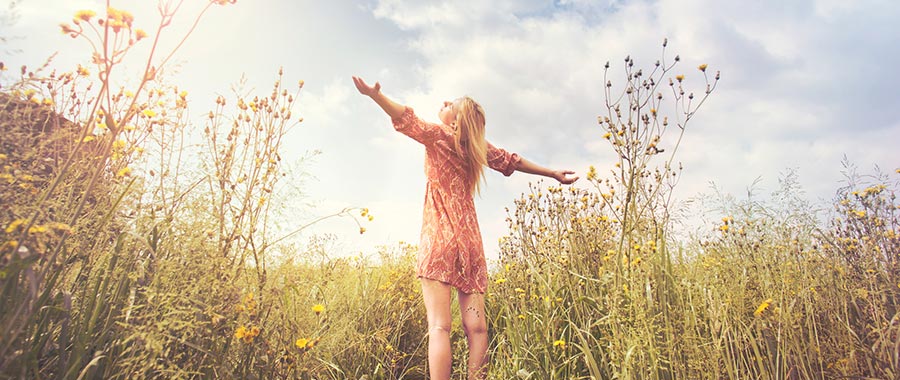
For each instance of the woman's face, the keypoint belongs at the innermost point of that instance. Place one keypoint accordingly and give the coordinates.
(447, 114)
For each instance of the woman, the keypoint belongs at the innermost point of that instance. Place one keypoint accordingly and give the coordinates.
(451, 253)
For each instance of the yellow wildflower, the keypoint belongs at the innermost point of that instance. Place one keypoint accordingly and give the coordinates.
(559, 343)
(679, 78)
(522, 317)
(66, 29)
(860, 213)
(519, 290)
(318, 308)
(302, 342)
(702, 67)
(763, 307)
(123, 172)
(85, 15)
(241, 332)
(500, 281)
(114, 13)
(362, 230)
(149, 113)
(723, 228)
(14, 225)
(83, 71)
(87, 139)
(139, 34)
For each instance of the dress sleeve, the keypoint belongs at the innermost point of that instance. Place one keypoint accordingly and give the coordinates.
(409, 124)
(501, 160)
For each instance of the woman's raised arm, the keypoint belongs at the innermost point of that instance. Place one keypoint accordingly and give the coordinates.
(393, 109)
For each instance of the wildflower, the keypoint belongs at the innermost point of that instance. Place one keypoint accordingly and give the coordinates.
(123, 172)
(139, 34)
(607, 135)
(702, 67)
(362, 230)
(522, 316)
(302, 342)
(559, 343)
(149, 113)
(519, 290)
(653, 111)
(592, 171)
(500, 281)
(14, 225)
(83, 71)
(679, 78)
(636, 261)
(723, 228)
(67, 29)
(762, 307)
(87, 139)
(114, 14)
(84, 15)
(318, 308)
(3, 157)
(183, 94)
(860, 213)
(241, 332)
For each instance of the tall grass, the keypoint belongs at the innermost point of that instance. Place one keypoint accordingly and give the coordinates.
(118, 259)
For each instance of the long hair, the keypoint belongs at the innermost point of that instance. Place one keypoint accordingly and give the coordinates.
(469, 140)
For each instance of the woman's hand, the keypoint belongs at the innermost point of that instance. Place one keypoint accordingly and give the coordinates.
(562, 177)
(365, 89)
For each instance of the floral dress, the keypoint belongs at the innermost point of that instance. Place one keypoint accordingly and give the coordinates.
(450, 250)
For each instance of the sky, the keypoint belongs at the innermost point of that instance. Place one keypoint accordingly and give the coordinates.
(804, 84)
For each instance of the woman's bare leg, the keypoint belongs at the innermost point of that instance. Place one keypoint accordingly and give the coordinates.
(437, 307)
(474, 322)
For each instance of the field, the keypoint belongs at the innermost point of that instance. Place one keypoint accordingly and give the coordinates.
(121, 259)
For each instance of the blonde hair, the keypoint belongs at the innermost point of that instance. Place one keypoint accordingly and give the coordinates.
(469, 140)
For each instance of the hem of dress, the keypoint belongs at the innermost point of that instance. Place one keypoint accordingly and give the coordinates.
(466, 291)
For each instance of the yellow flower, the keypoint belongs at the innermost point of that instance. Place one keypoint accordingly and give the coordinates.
(607, 135)
(302, 342)
(124, 172)
(85, 15)
(500, 281)
(66, 29)
(860, 213)
(362, 230)
(653, 111)
(14, 225)
(140, 34)
(87, 139)
(723, 228)
(519, 290)
(318, 308)
(241, 332)
(702, 67)
(679, 77)
(559, 343)
(114, 13)
(83, 71)
(762, 307)
(3, 157)
(149, 113)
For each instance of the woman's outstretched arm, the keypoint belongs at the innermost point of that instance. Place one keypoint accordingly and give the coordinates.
(393, 109)
(529, 167)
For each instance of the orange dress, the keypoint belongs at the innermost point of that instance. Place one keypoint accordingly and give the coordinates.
(450, 250)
